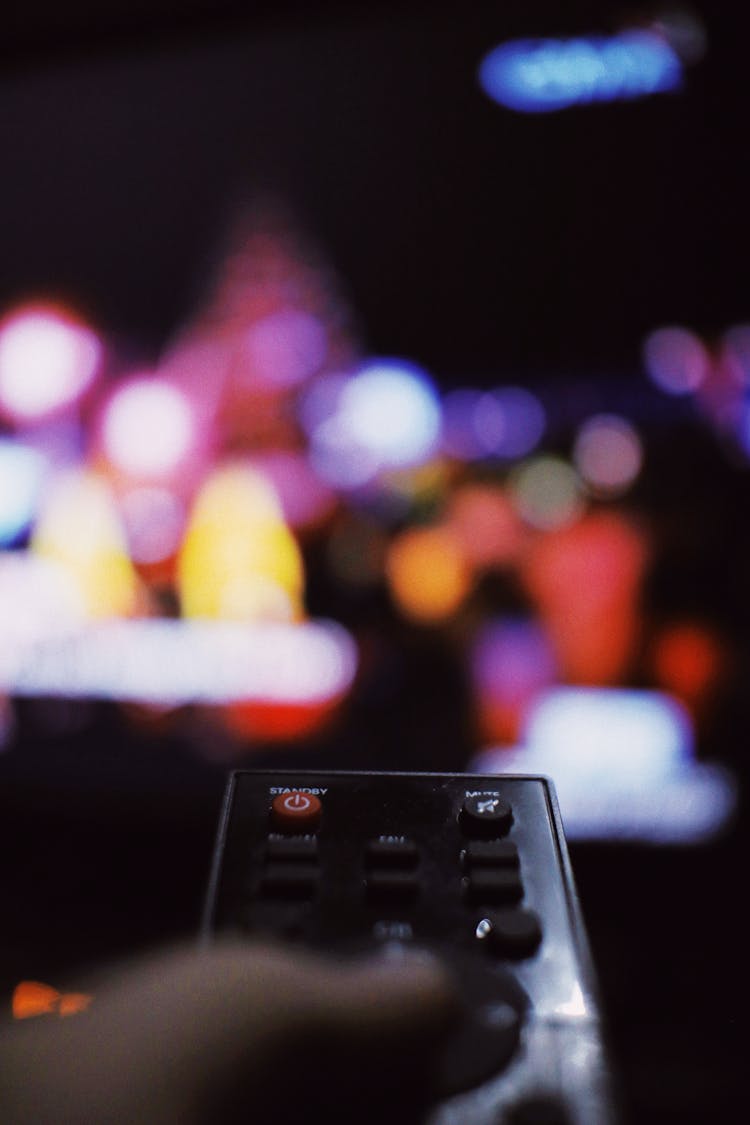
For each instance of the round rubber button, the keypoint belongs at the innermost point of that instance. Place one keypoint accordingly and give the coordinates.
(486, 816)
(513, 933)
(296, 811)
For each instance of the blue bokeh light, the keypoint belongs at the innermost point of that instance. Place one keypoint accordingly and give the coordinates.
(22, 471)
(543, 75)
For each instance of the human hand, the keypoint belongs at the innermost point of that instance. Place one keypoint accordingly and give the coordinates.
(236, 1033)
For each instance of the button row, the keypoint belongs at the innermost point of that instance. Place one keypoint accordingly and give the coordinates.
(392, 863)
(291, 867)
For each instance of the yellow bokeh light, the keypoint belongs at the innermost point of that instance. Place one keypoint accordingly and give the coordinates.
(79, 531)
(239, 560)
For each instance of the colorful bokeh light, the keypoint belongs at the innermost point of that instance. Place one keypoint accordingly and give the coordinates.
(22, 473)
(239, 561)
(79, 531)
(608, 454)
(547, 493)
(486, 525)
(284, 349)
(386, 416)
(509, 422)
(623, 765)
(47, 360)
(427, 574)
(676, 360)
(542, 75)
(149, 428)
(154, 520)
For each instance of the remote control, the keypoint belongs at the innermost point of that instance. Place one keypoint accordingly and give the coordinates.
(473, 868)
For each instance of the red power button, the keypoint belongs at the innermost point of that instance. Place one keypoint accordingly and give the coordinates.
(296, 811)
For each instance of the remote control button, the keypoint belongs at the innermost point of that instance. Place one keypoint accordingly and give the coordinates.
(485, 817)
(292, 848)
(392, 886)
(494, 884)
(392, 851)
(286, 880)
(490, 853)
(488, 1033)
(511, 933)
(296, 811)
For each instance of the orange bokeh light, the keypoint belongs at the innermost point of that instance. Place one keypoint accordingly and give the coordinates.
(427, 574)
(31, 998)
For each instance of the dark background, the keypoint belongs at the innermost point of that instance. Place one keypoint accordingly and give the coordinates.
(477, 242)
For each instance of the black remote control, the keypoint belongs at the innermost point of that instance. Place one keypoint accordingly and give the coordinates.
(473, 868)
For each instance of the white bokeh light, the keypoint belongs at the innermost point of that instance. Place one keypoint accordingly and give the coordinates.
(391, 409)
(148, 428)
(46, 362)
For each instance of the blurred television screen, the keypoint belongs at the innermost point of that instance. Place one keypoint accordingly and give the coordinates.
(374, 393)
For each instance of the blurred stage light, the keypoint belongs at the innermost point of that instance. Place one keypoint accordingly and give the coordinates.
(387, 416)
(542, 75)
(512, 662)
(22, 471)
(509, 422)
(608, 454)
(306, 501)
(391, 408)
(736, 341)
(485, 524)
(688, 660)
(623, 765)
(79, 531)
(284, 349)
(427, 574)
(38, 600)
(47, 360)
(676, 360)
(239, 560)
(459, 436)
(319, 400)
(154, 520)
(169, 663)
(149, 430)
(547, 493)
(585, 581)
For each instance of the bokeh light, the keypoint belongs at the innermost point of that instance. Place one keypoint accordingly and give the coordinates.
(427, 574)
(239, 561)
(547, 492)
(284, 349)
(459, 436)
(386, 416)
(736, 342)
(47, 360)
(608, 454)
(149, 428)
(584, 581)
(306, 501)
(22, 472)
(509, 422)
(676, 360)
(688, 659)
(542, 75)
(79, 530)
(511, 664)
(154, 521)
(485, 524)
